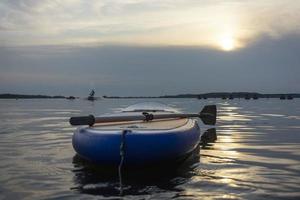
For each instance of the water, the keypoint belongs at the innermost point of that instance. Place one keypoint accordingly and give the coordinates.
(256, 156)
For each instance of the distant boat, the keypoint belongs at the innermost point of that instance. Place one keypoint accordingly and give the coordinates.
(247, 97)
(199, 97)
(255, 97)
(282, 97)
(204, 97)
(231, 97)
(70, 98)
(224, 97)
(290, 97)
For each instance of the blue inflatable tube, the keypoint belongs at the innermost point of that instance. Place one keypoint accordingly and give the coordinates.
(144, 145)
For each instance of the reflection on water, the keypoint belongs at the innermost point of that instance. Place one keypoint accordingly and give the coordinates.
(255, 154)
(103, 180)
(208, 137)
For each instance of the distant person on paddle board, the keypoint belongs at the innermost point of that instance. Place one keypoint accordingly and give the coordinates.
(91, 96)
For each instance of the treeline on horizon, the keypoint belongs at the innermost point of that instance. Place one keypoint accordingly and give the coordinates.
(223, 95)
(26, 96)
(227, 95)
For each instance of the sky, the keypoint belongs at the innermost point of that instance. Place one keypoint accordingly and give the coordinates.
(149, 47)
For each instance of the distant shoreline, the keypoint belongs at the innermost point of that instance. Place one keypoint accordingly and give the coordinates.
(26, 96)
(222, 95)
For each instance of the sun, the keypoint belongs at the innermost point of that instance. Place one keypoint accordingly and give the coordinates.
(227, 44)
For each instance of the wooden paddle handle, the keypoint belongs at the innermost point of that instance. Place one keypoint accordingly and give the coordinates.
(83, 120)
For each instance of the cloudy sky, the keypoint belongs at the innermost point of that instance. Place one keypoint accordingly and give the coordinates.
(149, 47)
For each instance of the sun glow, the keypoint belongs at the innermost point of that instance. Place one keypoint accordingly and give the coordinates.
(227, 44)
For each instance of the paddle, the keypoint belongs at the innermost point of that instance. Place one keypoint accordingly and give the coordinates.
(207, 115)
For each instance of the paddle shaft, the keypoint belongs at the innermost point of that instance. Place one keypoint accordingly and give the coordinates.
(208, 116)
(144, 117)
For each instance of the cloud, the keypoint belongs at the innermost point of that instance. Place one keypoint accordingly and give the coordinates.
(267, 65)
(145, 22)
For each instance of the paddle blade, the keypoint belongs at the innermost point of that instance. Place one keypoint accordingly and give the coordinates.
(83, 120)
(209, 115)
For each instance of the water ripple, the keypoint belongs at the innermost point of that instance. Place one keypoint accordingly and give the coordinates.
(256, 154)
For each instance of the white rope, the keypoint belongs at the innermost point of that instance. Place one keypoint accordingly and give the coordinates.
(122, 155)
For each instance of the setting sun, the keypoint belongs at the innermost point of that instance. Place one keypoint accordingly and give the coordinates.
(227, 44)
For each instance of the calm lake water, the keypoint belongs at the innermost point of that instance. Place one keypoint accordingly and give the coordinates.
(256, 155)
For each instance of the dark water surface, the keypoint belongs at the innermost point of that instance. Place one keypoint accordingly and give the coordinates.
(256, 156)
